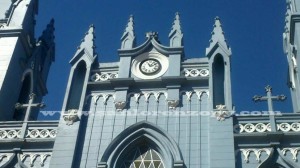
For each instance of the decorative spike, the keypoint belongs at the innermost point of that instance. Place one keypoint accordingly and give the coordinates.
(176, 34)
(87, 42)
(128, 37)
(217, 36)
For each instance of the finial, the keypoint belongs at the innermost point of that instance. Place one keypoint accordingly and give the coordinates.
(128, 37)
(217, 36)
(87, 42)
(176, 35)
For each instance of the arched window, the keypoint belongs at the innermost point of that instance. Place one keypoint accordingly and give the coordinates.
(143, 157)
(218, 81)
(77, 86)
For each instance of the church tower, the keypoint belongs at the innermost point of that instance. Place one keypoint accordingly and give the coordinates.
(291, 43)
(24, 62)
(154, 108)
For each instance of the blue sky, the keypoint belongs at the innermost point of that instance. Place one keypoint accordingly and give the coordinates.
(253, 29)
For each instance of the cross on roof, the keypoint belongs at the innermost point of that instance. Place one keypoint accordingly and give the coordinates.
(269, 98)
(29, 106)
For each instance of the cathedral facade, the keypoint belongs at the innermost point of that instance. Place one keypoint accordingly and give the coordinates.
(152, 109)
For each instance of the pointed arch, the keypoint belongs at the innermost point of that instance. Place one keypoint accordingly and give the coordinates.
(77, 83)
(141, 133)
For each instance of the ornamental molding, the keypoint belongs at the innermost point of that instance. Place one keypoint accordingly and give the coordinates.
(120, 105)
(172, 104)
(39, 133)
(71, 116)
(103, 76)
(265, 127)
(289, 127)
(195, 72)
(252, 127)
(33, 157)
(293, 151)
(96, 96)
(221, 112)
(257, 152)
(147, 95)
(198, 92)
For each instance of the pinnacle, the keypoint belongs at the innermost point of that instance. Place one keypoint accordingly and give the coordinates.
(176, 28)
(129, 30)
(128, 37)
(88, 41)
(217, 36)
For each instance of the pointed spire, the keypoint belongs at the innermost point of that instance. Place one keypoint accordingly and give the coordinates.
(128, 38)
(48, 35)
(217, 36)
(176, 35)
(87, 42)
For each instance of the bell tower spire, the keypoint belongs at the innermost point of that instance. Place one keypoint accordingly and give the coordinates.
(128, 37)
(176, 35)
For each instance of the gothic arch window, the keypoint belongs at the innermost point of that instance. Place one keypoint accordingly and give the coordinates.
(77, 86)
(143, 157)
(218, 80)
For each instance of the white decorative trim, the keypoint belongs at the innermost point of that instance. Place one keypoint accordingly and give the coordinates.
(257, 152)
(71, 116)
(198, 92)
(196, 72)
(289, 127)
(103, 76)
(294, 152)
(222, 113)
(105, 96)
(147, 94)
(252, 127)
(34, 156)
(41, 133)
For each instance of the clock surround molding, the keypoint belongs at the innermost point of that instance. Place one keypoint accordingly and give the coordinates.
(152, 55)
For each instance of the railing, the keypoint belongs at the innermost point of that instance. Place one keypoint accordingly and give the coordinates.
(33, 129)
(261, 124)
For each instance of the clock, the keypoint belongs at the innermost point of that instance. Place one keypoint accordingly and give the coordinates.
(150, 66)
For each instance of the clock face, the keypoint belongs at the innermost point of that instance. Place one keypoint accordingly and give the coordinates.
(150, 66)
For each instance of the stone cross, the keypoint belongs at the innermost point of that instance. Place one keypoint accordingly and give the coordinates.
(269, 98)
(28, 108)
